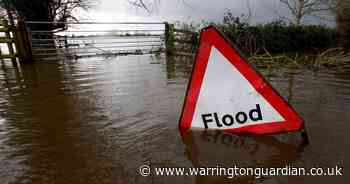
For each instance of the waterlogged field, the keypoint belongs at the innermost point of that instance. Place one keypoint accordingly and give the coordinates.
(97, 120)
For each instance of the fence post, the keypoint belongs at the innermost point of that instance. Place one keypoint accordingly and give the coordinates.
(169, 42)
(9, 43)
(23, 44)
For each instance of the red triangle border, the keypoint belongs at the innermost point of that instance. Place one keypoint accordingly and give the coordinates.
(209, 37)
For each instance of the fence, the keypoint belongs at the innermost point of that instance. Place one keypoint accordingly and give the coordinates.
(87, 39)
(14, 42)
(180, 41)
(38, 41)
(7, 41)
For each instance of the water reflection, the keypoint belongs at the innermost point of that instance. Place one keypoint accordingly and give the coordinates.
(96, 120)
(178, 67)
(51, 134)
(212, 148)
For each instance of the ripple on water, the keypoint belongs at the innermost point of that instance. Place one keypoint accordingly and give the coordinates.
(97, 120)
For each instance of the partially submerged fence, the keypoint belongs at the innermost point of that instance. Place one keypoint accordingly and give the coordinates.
(180, 41)
(33, 40)
(7, 41)
(14, 42)
(87, 39)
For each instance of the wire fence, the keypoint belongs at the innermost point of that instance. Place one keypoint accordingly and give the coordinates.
(62, 40)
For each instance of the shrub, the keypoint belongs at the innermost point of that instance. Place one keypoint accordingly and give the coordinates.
(277, 36)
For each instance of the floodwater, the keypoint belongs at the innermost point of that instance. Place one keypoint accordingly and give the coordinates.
(96, 120)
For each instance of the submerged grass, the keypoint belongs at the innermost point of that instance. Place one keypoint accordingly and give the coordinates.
(333, 57)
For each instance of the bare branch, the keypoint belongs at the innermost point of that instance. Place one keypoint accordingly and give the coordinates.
(301, 8)
(140, 4)
(147, 4)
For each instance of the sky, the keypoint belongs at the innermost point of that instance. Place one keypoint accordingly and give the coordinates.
(191, 11)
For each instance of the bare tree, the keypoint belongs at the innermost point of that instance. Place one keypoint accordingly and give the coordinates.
(150, 5)
(141, 4)
(47, 10)
(62, 10)
(301, 8)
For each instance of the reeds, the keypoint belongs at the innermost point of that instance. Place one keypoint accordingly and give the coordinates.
(333, 57)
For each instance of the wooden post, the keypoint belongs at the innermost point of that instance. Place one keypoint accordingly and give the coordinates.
(169, 44)
(195, 42)
(166, 36)
(23, 44)
(9, 13)
(10, 28)
(1, 59)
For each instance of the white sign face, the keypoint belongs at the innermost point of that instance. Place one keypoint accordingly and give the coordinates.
(228, 100)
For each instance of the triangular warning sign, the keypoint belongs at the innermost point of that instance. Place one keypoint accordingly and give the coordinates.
(225, 92)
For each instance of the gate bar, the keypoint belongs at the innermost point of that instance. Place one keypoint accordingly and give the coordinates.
(40, 22)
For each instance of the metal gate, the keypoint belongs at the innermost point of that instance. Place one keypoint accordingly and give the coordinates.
(90, 39)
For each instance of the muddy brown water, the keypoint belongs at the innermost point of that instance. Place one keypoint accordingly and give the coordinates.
(96, 120)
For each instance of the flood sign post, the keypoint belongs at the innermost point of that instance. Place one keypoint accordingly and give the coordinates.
(226, 93)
